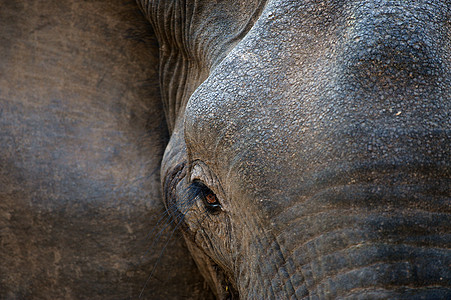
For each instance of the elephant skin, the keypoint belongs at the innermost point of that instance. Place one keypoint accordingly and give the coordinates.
(306, 155)
(82, 134)
(310, 145)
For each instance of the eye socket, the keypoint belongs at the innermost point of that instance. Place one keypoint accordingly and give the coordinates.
(208, 197)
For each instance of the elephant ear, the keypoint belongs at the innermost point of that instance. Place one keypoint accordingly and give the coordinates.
(194, 36)
(82, 134)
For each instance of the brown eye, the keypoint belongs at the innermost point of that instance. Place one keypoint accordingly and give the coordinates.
(209, 198)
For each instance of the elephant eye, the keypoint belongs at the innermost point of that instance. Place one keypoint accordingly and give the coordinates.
(208, 197)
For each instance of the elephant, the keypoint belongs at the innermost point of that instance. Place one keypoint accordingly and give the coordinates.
(310, 145)
(302, 149)
(82, 134)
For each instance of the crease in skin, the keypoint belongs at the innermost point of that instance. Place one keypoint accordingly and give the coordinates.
(354, 293)
(307, 209)
(340, 83)
(189, 47)
(373, 262)
(359, 219)
(316, 288)
(385, 270)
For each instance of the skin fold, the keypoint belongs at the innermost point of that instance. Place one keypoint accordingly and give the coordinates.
(302, 148)
(322, 129)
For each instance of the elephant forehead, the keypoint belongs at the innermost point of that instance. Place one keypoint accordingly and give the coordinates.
(297, 95)
(247, 103)
(326, 64)
(230, 121)
(281, 140)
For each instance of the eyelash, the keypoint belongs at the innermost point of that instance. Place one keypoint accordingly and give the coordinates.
(208, 197)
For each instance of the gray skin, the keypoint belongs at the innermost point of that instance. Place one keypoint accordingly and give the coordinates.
(323, 130)
(82, 135)
(321, 127)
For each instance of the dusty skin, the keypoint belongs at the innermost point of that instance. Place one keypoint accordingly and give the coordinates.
(302, 147)
(82, 134)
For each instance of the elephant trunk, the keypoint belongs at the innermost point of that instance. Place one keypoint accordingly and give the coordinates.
(350, 262)
(359, 241)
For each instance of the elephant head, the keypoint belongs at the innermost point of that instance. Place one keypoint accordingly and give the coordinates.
(310, 144)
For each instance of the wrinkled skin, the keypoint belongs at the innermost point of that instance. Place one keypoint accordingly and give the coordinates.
(82, 134)
(317, 132)
(322, 129)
